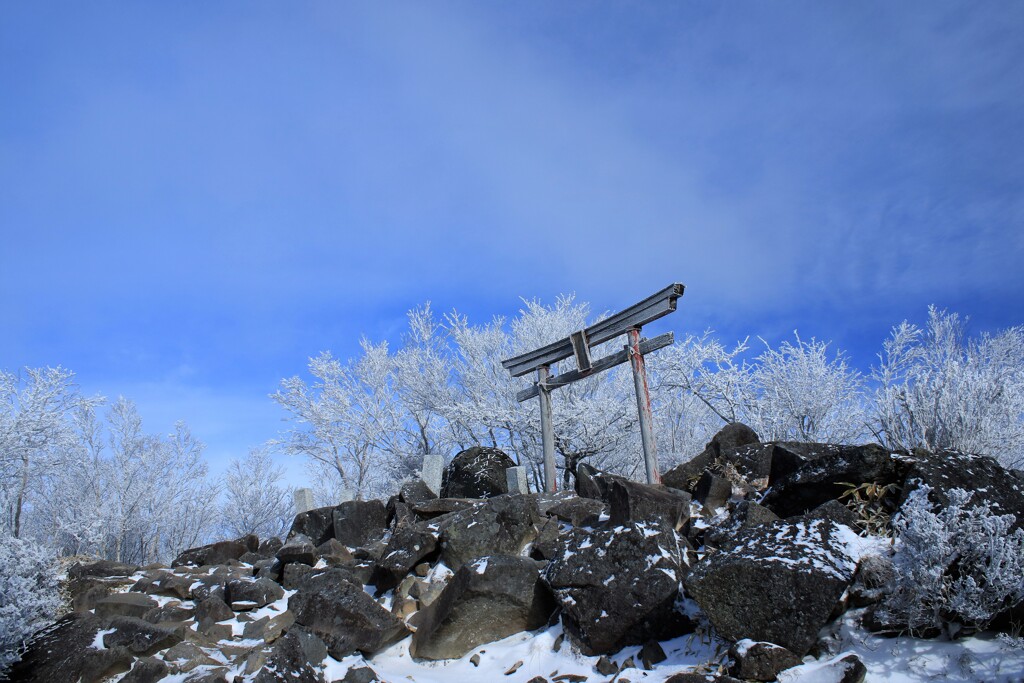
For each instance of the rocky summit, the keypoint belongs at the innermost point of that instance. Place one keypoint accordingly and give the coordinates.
(760, 547)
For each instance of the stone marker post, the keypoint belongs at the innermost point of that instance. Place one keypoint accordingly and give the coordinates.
(303, 500)
(433, 468)
(515, 477)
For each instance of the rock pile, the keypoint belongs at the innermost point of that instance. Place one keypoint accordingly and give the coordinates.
(748, 538)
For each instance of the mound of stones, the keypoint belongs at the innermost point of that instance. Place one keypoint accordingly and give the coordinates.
(750, 539)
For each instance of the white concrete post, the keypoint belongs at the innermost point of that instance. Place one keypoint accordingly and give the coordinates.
(515, 477)
(433, 469)
(303, 500)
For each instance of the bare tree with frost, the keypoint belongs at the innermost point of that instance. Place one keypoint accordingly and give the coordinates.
(939, 390)
(35, 432)
(255, 501)
(346, 423)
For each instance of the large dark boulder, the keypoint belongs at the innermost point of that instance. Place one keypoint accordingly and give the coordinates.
(139, 637)
(360, 522)
(294, 658)
(415, 491)
(64, 652)
(779, 582)
(146, 670)
(503, 526)
(578, 511)
(102, 568)
(990, 485)
(298, 549)
(753, 462)
(631, 501)
(86, 591)
(760, 661)
(210, 611)
(729, 440)
(828, 475)
(437, 507)
(591, 482)
(124, 605)
(732, 437)
(252, 592)
(409, 546)
(215, 553)
(618, 586)
(316, 525)
(712, 491)
(164, 582)
(490, 599)
(746, 515)
(343, 615)
(477, 472)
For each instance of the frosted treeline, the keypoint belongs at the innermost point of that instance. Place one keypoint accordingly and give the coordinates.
(361, 424)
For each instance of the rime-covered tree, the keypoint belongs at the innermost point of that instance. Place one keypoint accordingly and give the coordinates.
(35, 432)
(255, 502)
(938, 390)
(804, 395)
(346, 423)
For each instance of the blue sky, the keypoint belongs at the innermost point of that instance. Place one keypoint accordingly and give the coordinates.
(195, 197)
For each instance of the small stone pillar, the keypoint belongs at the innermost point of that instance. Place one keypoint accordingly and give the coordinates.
(303, 500)
(515, 477)
(346, 496)
(433, 469)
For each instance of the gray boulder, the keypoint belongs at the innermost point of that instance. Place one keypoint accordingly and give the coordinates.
(343, 616)
(712, 491)
(746, 515)
(477, 472)
(210, 611)
(490, 599)
(779, 583)
(619, 586)
(431, 509)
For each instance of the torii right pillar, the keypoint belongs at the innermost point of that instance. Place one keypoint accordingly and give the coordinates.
(643, 406)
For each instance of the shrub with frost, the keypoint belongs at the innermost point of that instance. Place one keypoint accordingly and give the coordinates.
(29, 595)
(957, 565)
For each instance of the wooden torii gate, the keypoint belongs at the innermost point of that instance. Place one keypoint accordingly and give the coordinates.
(578, 345)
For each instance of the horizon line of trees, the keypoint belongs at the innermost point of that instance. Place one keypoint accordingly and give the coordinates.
(83, 480)
(365, 423)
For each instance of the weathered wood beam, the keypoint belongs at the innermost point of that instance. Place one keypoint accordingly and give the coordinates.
(638, 315)
(646, 346)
